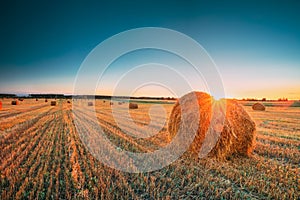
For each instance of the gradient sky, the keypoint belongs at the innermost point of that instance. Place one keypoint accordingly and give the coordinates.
(255, 44)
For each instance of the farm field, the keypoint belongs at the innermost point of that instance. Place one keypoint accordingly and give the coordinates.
(42, 157)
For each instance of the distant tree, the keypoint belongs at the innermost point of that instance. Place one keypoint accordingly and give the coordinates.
(283, 99)
(251, 99)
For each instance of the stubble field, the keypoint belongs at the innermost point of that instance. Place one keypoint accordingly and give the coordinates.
(42, 157)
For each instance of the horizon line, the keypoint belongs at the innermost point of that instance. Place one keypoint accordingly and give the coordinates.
(126, 96)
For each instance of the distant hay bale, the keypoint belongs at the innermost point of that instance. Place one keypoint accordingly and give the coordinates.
(258, 106)
(235, 136)
(133, 106)
(46, 100)
(14, 102)
(53, 103)
(36, 99)
(0, 105)
(68, 101)
(111, 103)
(21, 99)
(90, 103)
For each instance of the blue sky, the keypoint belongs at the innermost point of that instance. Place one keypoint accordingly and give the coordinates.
(255, 44)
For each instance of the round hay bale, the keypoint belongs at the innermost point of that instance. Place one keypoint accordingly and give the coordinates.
(68, 101)
(90, 103)
(36, 99)
(53, 103)
(21, 99)
(235, 134)
(46, 100)
(0, 105)
(133, 106)
(14, 102)
(258, 106)
(111, 103)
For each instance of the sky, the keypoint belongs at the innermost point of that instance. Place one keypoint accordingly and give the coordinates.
(255, 45)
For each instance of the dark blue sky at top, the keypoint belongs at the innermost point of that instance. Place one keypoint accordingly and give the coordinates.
(48, 40)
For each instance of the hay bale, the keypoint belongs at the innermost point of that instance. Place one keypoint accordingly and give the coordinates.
(133, 106)
(68, 101)
(90, 103)
(234, 135)
(14, 102)
(36, 99)
(0, 105)
(21, 99)
(111, 103)
(53, 103)
(46, 100)
(258, 106)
